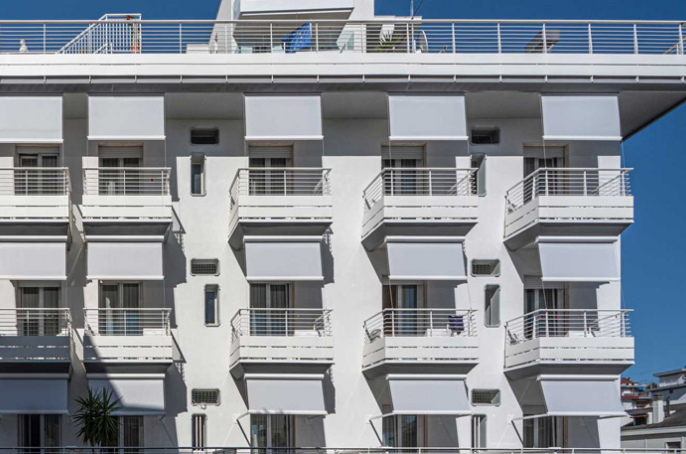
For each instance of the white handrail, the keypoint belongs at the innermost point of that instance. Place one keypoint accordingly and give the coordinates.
(291, 322)
(128, 181)
(420, 323)
(35, 322)
(280, 181)
(34, 181)
(128, 322)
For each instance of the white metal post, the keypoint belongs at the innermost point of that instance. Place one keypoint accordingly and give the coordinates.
(590, 39)
(500, 42)
(454, 40)
(635, 38)
(545, 40)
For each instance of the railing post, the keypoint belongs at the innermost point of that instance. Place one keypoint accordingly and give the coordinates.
(545, 40)
(316, 36)
(271, 37)
(623, 324)
(407, 29)
(586, 330)
(547, 175)
(430, 183)
(680, 47)
(585, 176)
(431, 322)
(392, 172)
(180, 38)
(392, 323)
(500, 42)
(44, 37)
(547, 325)
(455, 41)
(636, 50)
(590, 39)
(622, 176)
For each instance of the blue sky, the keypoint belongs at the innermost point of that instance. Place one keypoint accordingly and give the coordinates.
(652, 248)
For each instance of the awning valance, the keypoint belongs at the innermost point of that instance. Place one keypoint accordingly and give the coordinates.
(414, 117)
(34, 260)
(429, 394)
(581, 118)
(578, 260)
(289, 394)
(582, 396)
(140, 394)
(31, 119)
(125, 260)
(292, 117)
(283, 259)
(126, 118)
(429, 259)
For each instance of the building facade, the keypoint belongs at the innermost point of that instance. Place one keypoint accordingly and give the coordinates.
(304, 225)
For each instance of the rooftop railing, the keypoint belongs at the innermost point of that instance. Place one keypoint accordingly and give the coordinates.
(334, 450)
(569, 182)
(282, 323)
(115, 34)
(280, 182)
(569, 323)
(420, 323)
(30, 181)
(126, 181)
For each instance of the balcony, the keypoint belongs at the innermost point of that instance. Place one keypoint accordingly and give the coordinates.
(35, 195)
(425, 201)
(564, 341)
(568, 202)
(422, 338)
(301, 337)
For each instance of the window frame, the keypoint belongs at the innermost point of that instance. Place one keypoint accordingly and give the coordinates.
(204, 129)
(488, 314)
(215, 288)
(41, 429)
(194, 430)
(492, 131)
(198, 159)
(482, 428)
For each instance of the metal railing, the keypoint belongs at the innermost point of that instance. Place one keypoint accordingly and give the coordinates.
(420, 323)
(35, 322)
(282, 323)
(420, 182)
(40, 181)
(126, 181)
(117, 34)
(127, 322)
(280, 181)
(332, 450)
(569, 182)
(571, 323)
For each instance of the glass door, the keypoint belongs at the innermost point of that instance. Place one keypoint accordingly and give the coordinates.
(269, 316)
(120, 314)
(403, 182)
(119, 175)
(34, 181)
(538, 323)
(271, 181)
(34, 321)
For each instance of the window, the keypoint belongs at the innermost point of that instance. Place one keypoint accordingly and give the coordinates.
(544, 432)
(45, 322)
(272, 431)
(673, 445)
(131, 433)
(485, 136)
(212, 305)
(197, 174)
(39, 431)
(478, 431)
(32, 181)
(272, 302)
(205, 397)
(205, 136)
(406, 321)
(486, 268)
(198, 438)
(492, 306)
(121, 317)
(478, 163)
(486, 397)
(403, 431)
(208, 267)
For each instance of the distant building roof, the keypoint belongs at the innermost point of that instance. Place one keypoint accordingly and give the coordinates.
(676, 419)
(671, 372)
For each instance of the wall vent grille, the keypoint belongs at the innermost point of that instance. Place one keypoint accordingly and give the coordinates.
(205, 267)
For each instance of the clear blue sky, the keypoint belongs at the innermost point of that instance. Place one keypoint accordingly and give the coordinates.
(652, 265)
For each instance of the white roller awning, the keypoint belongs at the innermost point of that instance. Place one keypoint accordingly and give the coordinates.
(581, 118)
(34, 260)
(429, 395)
(28, 394)
(429, 259)
(291, 117)
(31, 119)
(283, 259)
(125, 260)
(578, 260)
(126, 118)
(140, 394)
(288, 394)
(582, 396)
(414, 117)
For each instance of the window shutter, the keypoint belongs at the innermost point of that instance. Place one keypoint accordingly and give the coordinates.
(550, 151)
(535, 283)
(284, 152)
(112, 152)
(402, 152)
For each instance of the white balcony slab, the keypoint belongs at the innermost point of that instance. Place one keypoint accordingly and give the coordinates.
(128, 349)
(35, 349)
(40, 208)
(306, 347)
(123, 207)
(421, 350)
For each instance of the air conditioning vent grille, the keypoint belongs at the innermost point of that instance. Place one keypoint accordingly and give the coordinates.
(205, 136)
(486, 267)
(205, 267)
(205, 397)
(486, 397)
(483, 136)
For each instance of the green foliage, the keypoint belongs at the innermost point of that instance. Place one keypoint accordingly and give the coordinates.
(97, 426)
(388, 42)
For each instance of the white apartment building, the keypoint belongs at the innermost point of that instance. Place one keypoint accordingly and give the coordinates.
(302, 225)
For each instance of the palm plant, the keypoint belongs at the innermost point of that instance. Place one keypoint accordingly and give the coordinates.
(95, 420)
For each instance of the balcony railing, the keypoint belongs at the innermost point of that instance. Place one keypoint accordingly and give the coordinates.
(420, 323)
(280, 182)
(419, 182)
(569, 182)
(127, 322)
(302, 323)
(34, 181)
(116, 34)
(568, 323)
(35, 334)
(126, 181)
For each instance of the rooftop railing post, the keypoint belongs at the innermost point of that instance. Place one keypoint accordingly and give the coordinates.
(180, 38)
(680, 46)
(500, 42)
(545, 40)
(316, 36)
(454, 40)
(636, 50)
(590, 39)
(271, 37)
(45, 37)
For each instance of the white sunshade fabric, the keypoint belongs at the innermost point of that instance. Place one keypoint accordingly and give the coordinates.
(581, 118)
(429, 260)
(583, 260)
(290, 117)
(429, 395)
(126, 118)
(563, 397)
(297, 394)
(139, 395)
(34, 260)
(24, 395)
(414, 117)
(31, 119)
(298, 259)
(125, 260)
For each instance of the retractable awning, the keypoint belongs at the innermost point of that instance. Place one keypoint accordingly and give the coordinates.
(283, 258)
(34, 260)
(288, 394)
(140, 260)
(580, 396)
(429, 394)
(28, 394)
(581, 118)
(140, 394)
(126, 118)
(293, 117)
(429, 259)
(416, 117)
(31, 119)
(578, 259)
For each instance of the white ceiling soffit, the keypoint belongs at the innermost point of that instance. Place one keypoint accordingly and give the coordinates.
(501, 105)
(204, 106)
